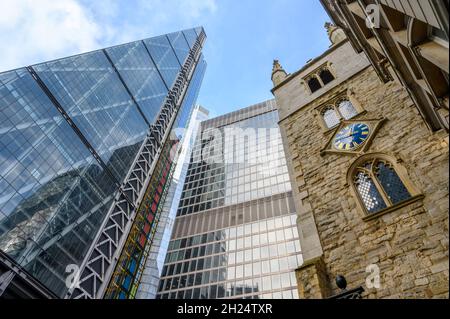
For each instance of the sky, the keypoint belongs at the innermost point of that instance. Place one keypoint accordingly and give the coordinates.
(243, 37)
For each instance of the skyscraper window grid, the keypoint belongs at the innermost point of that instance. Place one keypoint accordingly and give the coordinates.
(226, 246)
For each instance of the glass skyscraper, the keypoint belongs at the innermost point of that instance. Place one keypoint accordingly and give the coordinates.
(235, 235)
(155, 261)
(86, 160)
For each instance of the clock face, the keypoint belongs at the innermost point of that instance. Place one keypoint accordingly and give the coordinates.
(351, 136)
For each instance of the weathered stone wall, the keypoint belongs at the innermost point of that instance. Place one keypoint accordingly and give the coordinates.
(293, 93)
(313, 281)
(409, 245)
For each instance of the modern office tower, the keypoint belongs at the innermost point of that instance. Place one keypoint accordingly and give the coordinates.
(235, 234)
(153, 268)
(86, 146)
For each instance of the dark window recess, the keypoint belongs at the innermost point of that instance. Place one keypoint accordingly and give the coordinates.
(183, 281)
(198, 279)
(171, 270)
(200, 264)
(202, 251)
(168, 283)
(193, 265)
(191, 280)
(196, 294)
(178, 269)
(314, 84)
(186, 267)
(326, 76)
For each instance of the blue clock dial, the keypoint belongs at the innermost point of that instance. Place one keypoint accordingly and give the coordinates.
(351, 136)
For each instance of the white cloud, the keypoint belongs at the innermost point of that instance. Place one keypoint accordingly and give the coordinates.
(153, 17)
(33, 31)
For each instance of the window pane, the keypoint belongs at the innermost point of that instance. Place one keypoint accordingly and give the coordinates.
(314, 84)
(179, 45)
(164, 57)
(44, 188)
(140, 75)
(114, 127)
(326, 76)
(392, 184)
(330, 117)
(347, 109)
(369, 194)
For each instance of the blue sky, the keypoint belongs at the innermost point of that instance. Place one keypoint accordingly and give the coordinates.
(244, 36)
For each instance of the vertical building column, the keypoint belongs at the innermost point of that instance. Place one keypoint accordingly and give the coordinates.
(309, 235)
(312, 280)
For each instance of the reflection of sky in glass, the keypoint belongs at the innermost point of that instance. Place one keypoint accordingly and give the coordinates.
(98, 103)
(53, 193)
(251, 260)
(140, 76)
(240, 162)
(48, 180)
(164, 57)
(180, 45)
(222, 250)
(154, 266)
(255, 165)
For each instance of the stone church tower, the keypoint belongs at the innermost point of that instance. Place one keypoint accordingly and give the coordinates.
(370, 180)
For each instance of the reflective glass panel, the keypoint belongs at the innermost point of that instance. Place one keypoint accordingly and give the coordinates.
(164, 57)
(91, 92)
(180, 45)
(141, 77)
(53, 194)
(191, 36)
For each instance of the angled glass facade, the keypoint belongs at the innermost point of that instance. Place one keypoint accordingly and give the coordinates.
(235, 235)
(70, 131)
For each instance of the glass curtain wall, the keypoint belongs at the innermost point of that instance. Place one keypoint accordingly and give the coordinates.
(235, 235)
(70, 130)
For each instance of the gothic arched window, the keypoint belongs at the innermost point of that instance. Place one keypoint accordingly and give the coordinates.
(337, 110)
(326, 76)
(346, 109)
(314, 84)
(330, 116)
(379, 184)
